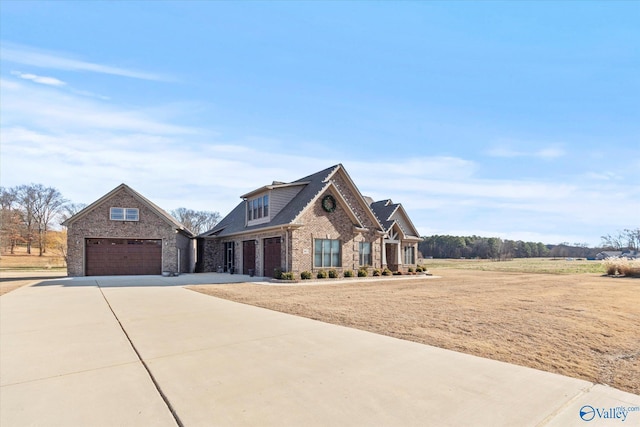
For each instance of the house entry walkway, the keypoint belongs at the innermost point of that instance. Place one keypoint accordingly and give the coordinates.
(146, 351)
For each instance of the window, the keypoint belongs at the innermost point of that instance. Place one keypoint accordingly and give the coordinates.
(409, 255)
(258, 208)
(131, 214)
(326, 253)
(124, 214)
(265, 203)
(365, 253)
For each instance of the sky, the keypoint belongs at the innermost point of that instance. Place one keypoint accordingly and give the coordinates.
(518, 120)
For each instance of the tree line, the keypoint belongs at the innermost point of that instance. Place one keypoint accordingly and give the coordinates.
(445, 246)
(28, 212)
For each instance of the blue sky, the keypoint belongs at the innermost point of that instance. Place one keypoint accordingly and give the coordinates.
(512, 119)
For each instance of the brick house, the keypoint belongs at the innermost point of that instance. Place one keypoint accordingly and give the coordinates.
(318, 222)
(123, 233)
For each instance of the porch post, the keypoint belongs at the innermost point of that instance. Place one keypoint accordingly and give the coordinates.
(384, 253)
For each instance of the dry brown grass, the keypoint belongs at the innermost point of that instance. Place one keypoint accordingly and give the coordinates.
(20, 269)
(23, 261)
(580, 325)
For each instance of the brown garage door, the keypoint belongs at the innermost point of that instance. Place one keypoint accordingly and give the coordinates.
(272, 256)
(114, 257)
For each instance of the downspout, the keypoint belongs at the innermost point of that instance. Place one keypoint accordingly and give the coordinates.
(286, 248)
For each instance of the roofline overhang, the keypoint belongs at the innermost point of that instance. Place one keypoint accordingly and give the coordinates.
(271, 187)
(372, 214)
(256, 230)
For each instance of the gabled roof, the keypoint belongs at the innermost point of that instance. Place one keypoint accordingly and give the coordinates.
(313, 187)
(390, 213)
(123, 187)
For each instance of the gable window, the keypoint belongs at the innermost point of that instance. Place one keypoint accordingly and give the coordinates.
(326, 253)
(124, 214)
(365, 253)
(258, 208)
(409, 255)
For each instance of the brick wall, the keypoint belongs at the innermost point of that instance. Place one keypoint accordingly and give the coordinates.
(213, 256)
(320, 224)
(96, 224)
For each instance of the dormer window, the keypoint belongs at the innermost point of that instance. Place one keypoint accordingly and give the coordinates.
(124, 214)
(258, 208)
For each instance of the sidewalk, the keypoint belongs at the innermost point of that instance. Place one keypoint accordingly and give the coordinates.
(66, 360)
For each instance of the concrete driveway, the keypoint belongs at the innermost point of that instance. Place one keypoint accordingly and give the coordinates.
(144, 351)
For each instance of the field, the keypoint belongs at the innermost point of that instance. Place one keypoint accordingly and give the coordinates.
(556, 315)
(25, 264)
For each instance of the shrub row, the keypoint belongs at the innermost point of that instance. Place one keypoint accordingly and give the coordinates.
(334, 274)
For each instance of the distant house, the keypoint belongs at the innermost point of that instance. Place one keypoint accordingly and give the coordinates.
(608, 254)
(318, 222)
(628, 254)
(123, 233)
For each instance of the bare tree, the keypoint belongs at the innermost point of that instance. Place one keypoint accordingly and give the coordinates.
(633, 238)
(70, 209)
(628, 238)
(26, 200)
(38, 206)
(10, 219)
(49, 202)
(196, 221)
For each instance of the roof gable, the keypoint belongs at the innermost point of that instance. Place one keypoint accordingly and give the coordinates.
(140, 198)
(313, 187)
(390, 213)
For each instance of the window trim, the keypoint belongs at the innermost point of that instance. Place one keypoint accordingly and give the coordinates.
(362, 254)
(258, 208)
(331, 255)
(409, 255)
(126, 214)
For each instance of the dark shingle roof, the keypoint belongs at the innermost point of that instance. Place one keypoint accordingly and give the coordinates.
(234, 223)
(383, 210)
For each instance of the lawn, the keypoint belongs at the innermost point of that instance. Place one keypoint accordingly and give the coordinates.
(20, 269)
(578, 324)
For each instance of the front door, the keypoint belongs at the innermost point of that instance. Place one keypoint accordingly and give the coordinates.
(272, 256)
(248, 256)
(229, 256)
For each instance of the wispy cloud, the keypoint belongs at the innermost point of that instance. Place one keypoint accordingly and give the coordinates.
(51, 81)
(86, 147)
(25, 55)
(47, 108)
(543, 153)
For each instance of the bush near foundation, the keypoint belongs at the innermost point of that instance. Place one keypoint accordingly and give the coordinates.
(305, 275)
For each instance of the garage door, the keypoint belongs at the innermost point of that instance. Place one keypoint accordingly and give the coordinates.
(113, 257)
(272, 256)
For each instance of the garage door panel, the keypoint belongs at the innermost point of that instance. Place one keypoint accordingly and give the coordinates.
(112, 257)
(272, 255)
